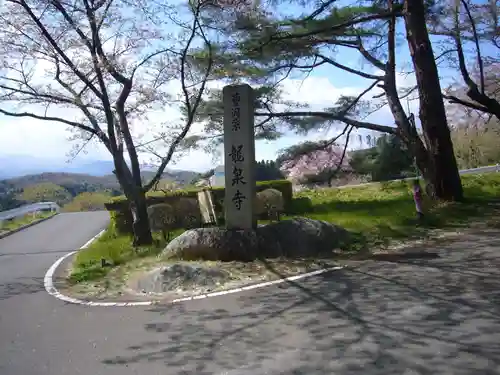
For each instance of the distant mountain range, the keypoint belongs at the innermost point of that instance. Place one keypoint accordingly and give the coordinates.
(19, 172)
(21, 165)
(13, 166)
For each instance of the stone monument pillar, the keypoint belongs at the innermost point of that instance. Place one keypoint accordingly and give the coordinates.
(239, 157)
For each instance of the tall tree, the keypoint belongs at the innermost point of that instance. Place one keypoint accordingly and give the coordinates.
(267, 48)
(443, 166)
(267, 170)
(253, 49)
(310, 162)
(362, 161)
(100, 67)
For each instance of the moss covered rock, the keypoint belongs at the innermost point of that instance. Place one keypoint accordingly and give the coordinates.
(298, 237)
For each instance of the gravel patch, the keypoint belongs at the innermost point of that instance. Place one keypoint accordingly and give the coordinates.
(180, 277)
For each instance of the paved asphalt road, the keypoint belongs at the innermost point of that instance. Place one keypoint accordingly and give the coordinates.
(437, 316)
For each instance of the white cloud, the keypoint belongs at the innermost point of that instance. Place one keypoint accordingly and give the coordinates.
(319, 92)
(403, 79)
(34, 137)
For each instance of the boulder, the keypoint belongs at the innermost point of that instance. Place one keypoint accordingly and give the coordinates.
(298, 237)
(215, 244)
(304, 237)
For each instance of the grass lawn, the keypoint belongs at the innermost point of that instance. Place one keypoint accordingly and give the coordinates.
(377, 214)
(380, 213)
(24, 220)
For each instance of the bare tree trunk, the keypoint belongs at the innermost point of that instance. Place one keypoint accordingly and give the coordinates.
(408, 134)
(405, 128)
(142, 230)
(406, 131)
(444, 175)
(136, 195)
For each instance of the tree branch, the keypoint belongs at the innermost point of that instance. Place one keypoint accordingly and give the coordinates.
(368, 56)
(49, 118)
(104, 14)
(97, 44)
(333, 28)
(57, 4)
(391, 44)
(297, 66)
(147, 58)
(319, 10)
(358, 98)
(110, 118)
(488, 104)
(348, 69)
(84, 108)
(344, 151)
(49, 97)
(54, 44)
(460, 53)
(465, 103)
(322, 145)
(476, 42)
(191, 108)
(331, 116)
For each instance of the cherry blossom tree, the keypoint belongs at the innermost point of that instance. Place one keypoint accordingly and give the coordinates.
(314, 162)
(102, 68)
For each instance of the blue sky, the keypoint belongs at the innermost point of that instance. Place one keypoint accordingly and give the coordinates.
(321, 88)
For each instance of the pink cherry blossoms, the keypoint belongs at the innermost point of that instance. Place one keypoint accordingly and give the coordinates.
(315, 163)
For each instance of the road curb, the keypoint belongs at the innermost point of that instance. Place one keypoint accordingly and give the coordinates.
(10, 232)
(52, 290)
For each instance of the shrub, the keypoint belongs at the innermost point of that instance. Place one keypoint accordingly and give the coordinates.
(269, 202)
(187, 213)
(87, 201)
(300, 206)
(161, 219)
(120, 222)
(121, 216)
(284, 186)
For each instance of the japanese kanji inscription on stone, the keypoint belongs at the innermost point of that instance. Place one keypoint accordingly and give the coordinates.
(239, 156)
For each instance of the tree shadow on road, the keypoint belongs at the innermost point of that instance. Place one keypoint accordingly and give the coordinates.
(25, 285)
(20, 286)
(436, 316)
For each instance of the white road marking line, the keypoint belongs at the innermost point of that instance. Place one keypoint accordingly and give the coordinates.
(52, 290)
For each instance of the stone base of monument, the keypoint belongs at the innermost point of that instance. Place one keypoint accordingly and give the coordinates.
(298, 237)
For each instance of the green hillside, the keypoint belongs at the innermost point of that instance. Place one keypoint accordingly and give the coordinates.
(63, 187)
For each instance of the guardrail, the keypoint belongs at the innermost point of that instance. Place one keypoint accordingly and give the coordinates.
(490, 168)
(28, 209)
